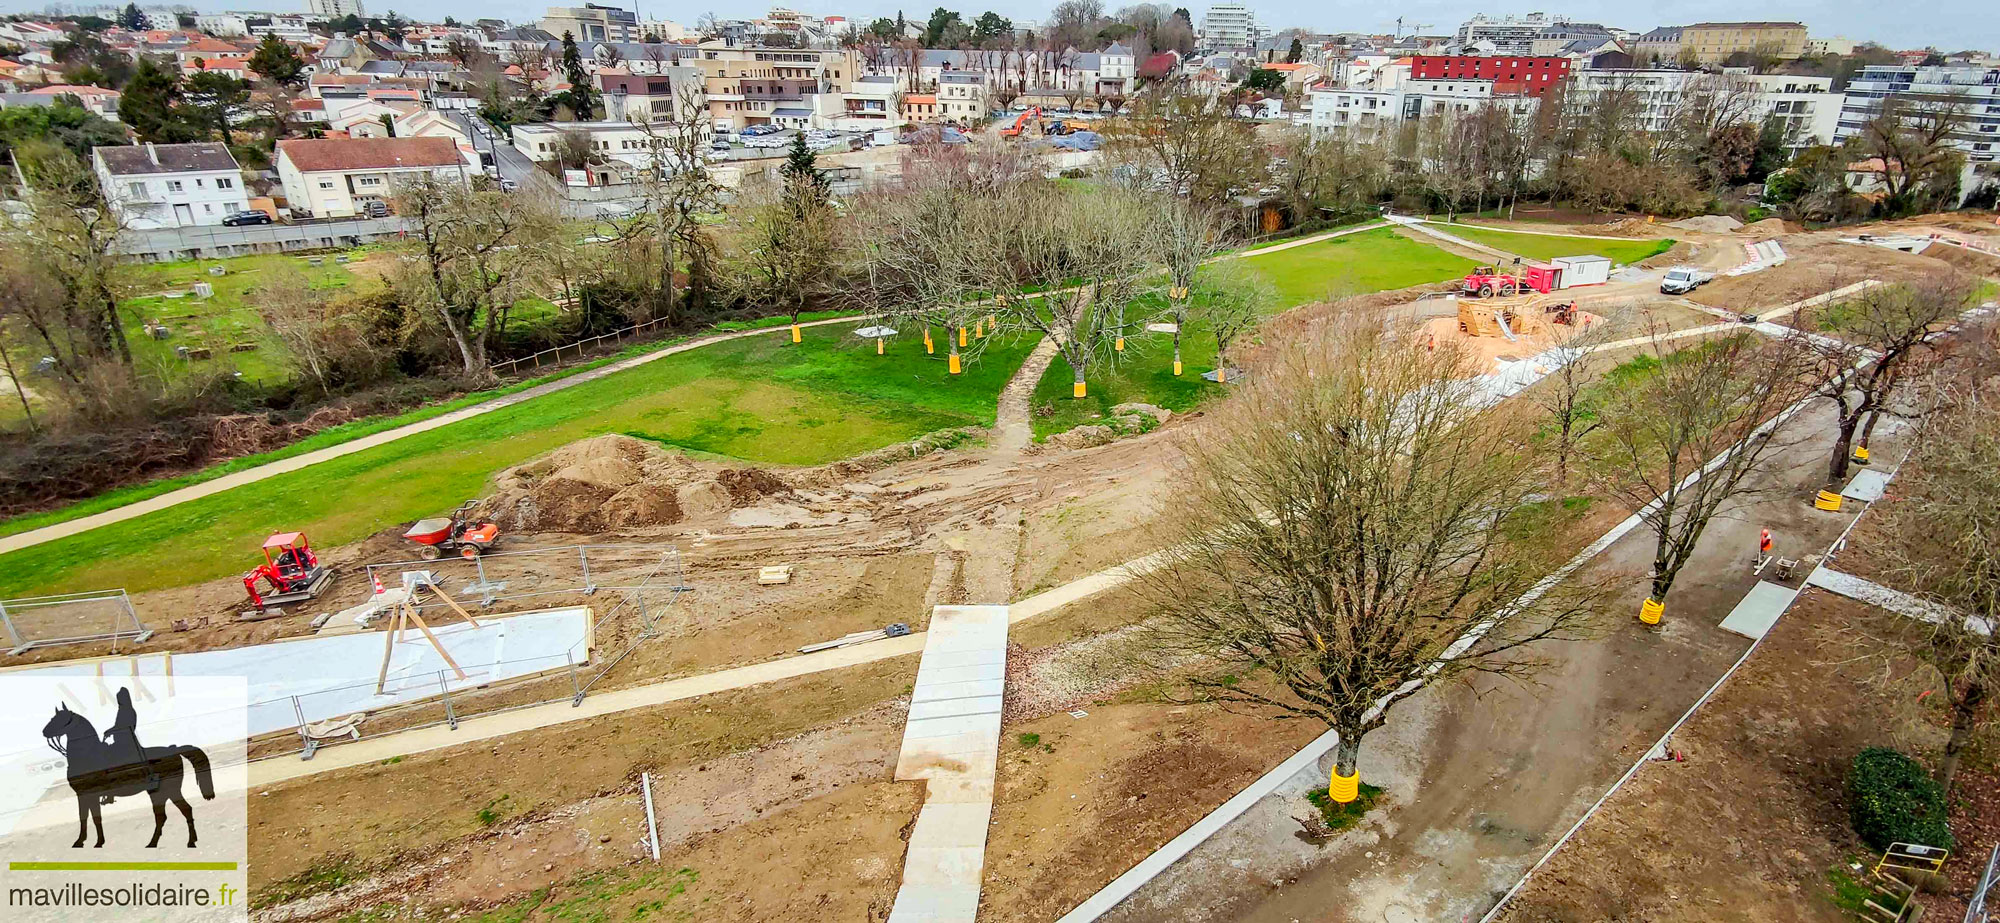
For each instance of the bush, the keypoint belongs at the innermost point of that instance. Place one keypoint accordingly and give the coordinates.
(1892, 800)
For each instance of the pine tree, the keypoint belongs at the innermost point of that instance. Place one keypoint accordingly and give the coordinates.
(1296, 52)
(131, 18)
(580, 96)
(148, 102)
(275, 60)
(802, 174)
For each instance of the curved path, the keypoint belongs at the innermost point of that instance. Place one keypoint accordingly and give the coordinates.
(237, 479)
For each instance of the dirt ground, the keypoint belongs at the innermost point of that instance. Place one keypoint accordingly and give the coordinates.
(1753, 825)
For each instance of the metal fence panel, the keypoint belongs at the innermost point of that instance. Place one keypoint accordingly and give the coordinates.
(1976, 910)
(70, 618)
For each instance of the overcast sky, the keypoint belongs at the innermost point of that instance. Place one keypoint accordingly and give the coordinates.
(1950, 25)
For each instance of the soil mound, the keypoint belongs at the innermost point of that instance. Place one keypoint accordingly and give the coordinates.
(1771, 226)
(1714, 224)
(612, 482)
(1624, 227)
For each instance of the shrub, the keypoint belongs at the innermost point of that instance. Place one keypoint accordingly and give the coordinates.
(1892, 800)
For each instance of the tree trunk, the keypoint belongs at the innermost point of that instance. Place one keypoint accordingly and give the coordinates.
(7, 361)
(1964, 721)
(1343, 783)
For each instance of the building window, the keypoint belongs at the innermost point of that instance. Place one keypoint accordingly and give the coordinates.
(225, 183)
(173, 185)
(138, 190)
(326, 184)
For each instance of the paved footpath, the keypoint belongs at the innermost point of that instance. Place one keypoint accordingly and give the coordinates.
(237, 479)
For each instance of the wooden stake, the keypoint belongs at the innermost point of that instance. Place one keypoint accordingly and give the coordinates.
(439, 646)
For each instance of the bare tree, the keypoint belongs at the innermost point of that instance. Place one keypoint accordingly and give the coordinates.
(1342, 525)
(1084, 252)
(1875, 336)
(1687, 437)
(472, 261)
(1189, 141)
(1190, 236)
(1909, 142)
(680, 195)
(1565, 393)
(1937, 541)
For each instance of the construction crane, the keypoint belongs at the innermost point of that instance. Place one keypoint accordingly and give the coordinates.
(1415, 27)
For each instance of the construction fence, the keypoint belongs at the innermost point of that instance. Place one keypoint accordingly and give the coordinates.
(71, 618)
(645, 583)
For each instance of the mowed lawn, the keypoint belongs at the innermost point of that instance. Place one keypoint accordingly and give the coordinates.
(1545, 247)
(758, 399)
(226, 319)
(1356, 264)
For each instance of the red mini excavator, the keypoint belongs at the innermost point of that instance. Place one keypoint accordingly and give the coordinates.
(290, 568)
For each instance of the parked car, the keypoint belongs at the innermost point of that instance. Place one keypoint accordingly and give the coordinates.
(1681, 280)
(242, 218)
(376, 208)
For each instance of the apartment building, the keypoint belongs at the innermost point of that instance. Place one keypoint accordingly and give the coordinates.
(1713, 42)
(1508, 35)
(1229, 26)
(1972, 90)
(1805, 106)
(791, 87)
(335, 9)
(674, 93)
(1512, 73)
(593, 23)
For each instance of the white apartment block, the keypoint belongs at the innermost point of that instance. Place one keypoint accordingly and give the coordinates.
(1229, 25)
(1975, 90)
(170, 185)
(1509, 35)
(1805, 105)
(334, 9)
(344, 177)
(224, 25)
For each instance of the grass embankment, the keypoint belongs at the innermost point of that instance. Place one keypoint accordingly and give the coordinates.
(356, 429)
(1369, 261)
(757, 399)
(1545, 247)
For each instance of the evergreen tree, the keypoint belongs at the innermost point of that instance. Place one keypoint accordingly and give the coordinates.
(148, 102)
(1296, 52)
(275, 60)
(580, 97)
(211, 98)
(803, 178)
(131, 18)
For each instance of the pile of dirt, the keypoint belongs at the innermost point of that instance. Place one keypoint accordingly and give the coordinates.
(1713, 224)
(613, 482)
(1624, 227)
(1129, 419)
(1772, 227)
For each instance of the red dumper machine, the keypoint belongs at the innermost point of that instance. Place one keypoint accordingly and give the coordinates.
(290, 568)
(459, 532)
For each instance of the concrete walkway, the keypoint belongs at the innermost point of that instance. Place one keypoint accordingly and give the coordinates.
(951, 741)
(237, 479)
(482, 727)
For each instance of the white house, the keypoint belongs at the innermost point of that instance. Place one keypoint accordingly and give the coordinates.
(170, 185)
(626, 142)
(343, 177)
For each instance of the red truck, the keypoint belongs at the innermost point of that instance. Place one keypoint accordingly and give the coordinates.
(1488, 281)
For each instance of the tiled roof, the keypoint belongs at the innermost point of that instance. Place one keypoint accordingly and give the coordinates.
(135, 159)
(313, 156)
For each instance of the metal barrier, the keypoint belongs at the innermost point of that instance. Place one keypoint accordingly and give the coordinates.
(71, 618)
(580, 348)
(1975, 909)
(648, 579)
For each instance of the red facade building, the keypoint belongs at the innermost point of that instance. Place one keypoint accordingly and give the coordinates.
(1511, 74)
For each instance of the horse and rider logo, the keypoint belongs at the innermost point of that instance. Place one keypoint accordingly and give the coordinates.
(115, 765)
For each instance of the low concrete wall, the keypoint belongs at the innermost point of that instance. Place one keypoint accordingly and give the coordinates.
(210, 242)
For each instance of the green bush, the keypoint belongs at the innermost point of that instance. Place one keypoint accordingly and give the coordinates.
(1892, 800)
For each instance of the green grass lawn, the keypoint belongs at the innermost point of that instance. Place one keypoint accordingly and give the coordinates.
(1370, 261)
(1546, 247)
(219, 322)
(758, 399)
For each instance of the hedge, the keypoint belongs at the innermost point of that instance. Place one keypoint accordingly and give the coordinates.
(1893, 800)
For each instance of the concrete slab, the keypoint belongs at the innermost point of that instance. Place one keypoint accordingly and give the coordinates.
(1894, 600)
(1867, 486)
(952, 739)
(1759, 610)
